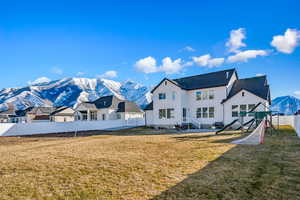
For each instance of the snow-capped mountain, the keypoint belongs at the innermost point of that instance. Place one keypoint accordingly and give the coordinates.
(71, 91)
(286, 104)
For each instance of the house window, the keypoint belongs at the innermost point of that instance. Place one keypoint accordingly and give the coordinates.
(198, 95)
(103, 117)
(204, 112)
(170, 113)
(166, 83)
(118, 116)
(250, 107)
(84, 116)
(198, 113)
(243, 110)
(205, 95)
(173, 95)
(211, 112)
(93, 115)
(162, 113)
(161, 96)
(211, 94)
(243, 94)
(235, 110)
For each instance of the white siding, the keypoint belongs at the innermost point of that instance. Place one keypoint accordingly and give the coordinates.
(177, 103)
(238, 99)
(149, 117)
(219, 95)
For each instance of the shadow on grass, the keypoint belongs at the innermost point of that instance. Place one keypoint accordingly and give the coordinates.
(264, 171)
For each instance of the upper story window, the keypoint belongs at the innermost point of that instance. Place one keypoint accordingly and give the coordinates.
(166, 82)
(198, 95)
(243, 94)
(211, 94)
(205, 95)
(161, 96)
(173, 95)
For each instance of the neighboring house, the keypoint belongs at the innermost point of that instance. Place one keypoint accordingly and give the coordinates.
(108, 108)
(63, 114)
(39, 114)
(7, 116)
(206, 98)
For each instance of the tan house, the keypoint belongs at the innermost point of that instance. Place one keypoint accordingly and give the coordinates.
(39, 114)
(108, 108)
(63, 114)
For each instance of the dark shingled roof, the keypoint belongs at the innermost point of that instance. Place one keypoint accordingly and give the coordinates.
(106, 102)
(149, 106)
(59, 109)
(256, 85)
(209, 80)
(128, 106)
(44, 110)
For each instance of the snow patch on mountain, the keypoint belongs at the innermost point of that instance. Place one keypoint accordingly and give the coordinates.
(287, 105)
(71, 91)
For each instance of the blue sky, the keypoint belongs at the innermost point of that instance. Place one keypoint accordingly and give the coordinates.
(146, 41)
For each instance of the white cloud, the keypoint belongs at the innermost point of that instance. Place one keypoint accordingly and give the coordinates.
(297, 93)
(245, 55)
(146, 65)
(288, 42)
(39, 81)
(149, 65)
(188, 48)
(171, 67)
(207, 61)
(80, 74)
(236, 40)
(57, 70)
(109, 74)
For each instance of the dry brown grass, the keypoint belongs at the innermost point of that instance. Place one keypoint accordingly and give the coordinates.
(173, 166)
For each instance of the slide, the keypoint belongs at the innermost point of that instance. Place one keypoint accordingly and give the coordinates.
(228, 125)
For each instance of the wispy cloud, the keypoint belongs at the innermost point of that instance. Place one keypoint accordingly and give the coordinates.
(57, 70)
(297, 92)
(109, 74)
(188, 48)
(244, 56)
(80, 73)
(288, 42)
(39, 81)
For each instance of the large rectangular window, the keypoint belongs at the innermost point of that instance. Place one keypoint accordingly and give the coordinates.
(204, 112)
(93, 115)
(170, 113)
(211, 94)
(250, 107)
(198, 95)
(211, 112)
(198, 113)
(162, 113)
(162, 96)
(243, 110)
(235, 110)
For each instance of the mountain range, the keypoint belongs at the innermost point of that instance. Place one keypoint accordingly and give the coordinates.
(287, 105)
(71, 91)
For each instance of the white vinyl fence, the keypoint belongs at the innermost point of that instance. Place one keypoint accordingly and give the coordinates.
(12, 129)
(292, 120)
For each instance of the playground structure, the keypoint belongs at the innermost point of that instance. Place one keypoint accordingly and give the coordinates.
(258, 118)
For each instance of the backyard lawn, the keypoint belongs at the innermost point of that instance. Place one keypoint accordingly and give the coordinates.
(146, 165)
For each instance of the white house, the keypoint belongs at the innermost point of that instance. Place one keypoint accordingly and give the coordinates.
(205, 99)
(108, 108)
(63, 114)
